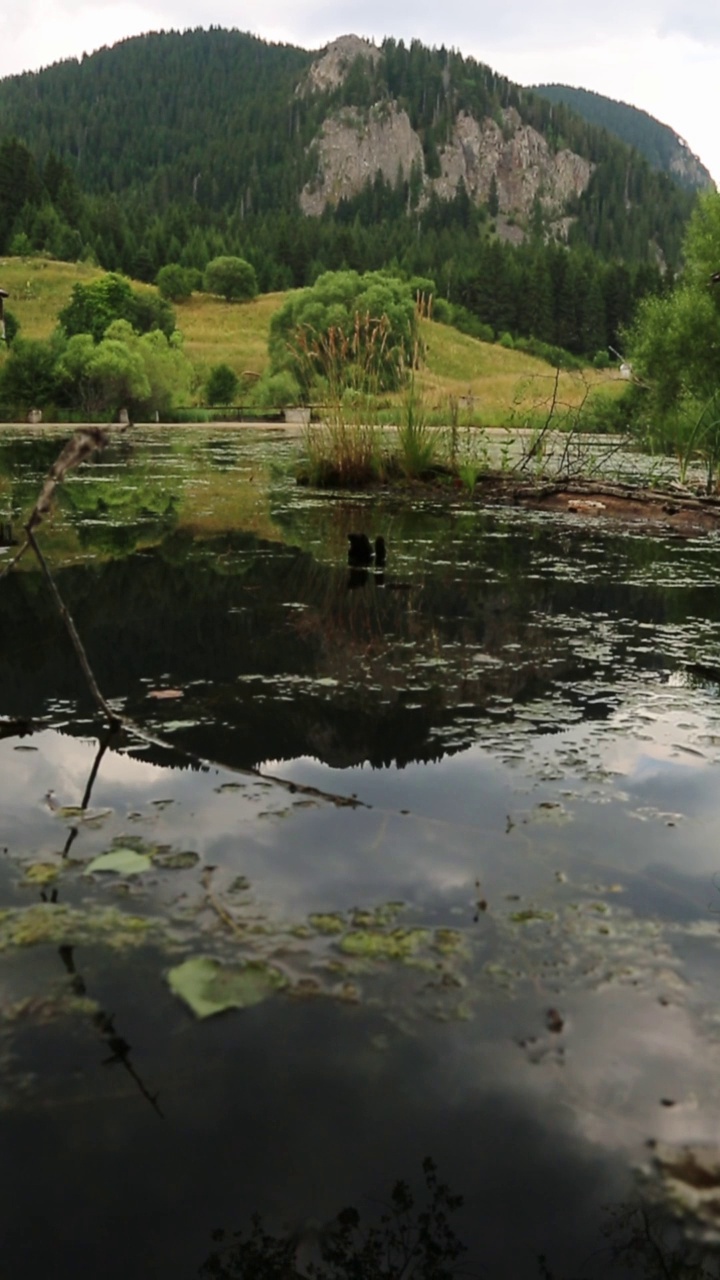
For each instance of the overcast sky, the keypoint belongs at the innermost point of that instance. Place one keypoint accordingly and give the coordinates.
(661, 55)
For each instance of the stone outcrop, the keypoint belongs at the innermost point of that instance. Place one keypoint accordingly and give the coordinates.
(688, 169)
(353, 146)
(517, 157)
(331, 69)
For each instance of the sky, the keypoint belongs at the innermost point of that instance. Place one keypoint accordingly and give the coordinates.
(660, 55)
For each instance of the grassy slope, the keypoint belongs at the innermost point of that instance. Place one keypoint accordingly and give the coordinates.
(507, 386)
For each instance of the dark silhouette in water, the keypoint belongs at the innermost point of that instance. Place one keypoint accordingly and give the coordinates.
(361, 551)
(357, 577)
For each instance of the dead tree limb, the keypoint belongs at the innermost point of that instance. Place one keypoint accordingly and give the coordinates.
(77, 643)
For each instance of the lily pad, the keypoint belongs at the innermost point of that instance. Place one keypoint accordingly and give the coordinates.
(124, 862)
(209, 987)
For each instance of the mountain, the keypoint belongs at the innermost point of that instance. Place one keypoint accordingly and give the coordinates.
(661, 145)
(230, 123)
(179, 147)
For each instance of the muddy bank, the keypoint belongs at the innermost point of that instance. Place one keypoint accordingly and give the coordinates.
(671, 510)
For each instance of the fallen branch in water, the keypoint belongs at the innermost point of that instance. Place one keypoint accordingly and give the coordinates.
(83, 445)
(71, 629)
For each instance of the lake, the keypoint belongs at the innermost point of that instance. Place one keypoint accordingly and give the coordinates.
(408, 862)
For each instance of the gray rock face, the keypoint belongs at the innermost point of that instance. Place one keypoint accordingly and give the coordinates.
(331, 69)
(519, 159)
(353, 146)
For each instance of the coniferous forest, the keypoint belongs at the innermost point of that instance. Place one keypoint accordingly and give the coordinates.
(177, 148)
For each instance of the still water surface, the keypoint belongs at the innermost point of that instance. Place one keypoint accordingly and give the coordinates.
(503, 954)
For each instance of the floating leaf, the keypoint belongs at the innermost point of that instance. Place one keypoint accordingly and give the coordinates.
(125, 862)
(209, 987)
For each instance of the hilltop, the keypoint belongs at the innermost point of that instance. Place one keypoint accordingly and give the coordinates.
(515, 209)
(661, 146)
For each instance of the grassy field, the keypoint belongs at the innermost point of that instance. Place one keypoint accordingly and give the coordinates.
(495, 386)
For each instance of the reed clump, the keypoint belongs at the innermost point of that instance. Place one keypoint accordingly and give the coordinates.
(347, 371)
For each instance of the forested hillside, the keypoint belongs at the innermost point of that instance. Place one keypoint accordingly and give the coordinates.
(660, 144)
(177, 148)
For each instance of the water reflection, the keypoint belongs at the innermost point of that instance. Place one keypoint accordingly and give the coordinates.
(504, 955)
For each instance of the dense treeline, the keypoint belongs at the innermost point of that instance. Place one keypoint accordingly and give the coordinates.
(183, 148)
(572, 298)
(214, 119)
(656, 141)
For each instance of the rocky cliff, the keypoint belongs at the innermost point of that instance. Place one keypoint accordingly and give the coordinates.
(504, 153)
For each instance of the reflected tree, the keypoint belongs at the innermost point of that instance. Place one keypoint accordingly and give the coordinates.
(643, 1239)
(410, 1239)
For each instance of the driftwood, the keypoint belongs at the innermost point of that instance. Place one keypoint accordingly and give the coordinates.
(674, 509)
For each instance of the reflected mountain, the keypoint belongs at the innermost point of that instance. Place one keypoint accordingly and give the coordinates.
(271, 653)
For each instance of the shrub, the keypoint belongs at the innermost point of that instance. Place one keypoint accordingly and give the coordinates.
(347, 330)
(231, 278)
(93, 307)
(176, 283)
(221, 385)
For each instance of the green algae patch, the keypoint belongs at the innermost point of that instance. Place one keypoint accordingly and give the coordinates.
(208, 987)
(377, 917)
(40, 1010)
(183, 860)
(449, 942)
(531, 915)
(51, 923)
(371, 944)
(123, 862)
(41, 873)
(327, 923)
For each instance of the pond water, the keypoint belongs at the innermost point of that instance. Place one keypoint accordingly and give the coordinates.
(444, 836)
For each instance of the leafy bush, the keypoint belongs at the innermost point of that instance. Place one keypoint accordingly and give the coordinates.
(348, 330)
(221, 385)
(12, 327)
(176, 283)
(275, 391)
(558, 357)
(141, 372)
(93, 307)
(231, 278)
(28, 378)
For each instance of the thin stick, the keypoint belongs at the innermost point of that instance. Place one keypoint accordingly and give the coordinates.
(77, 644)
(18, 556)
